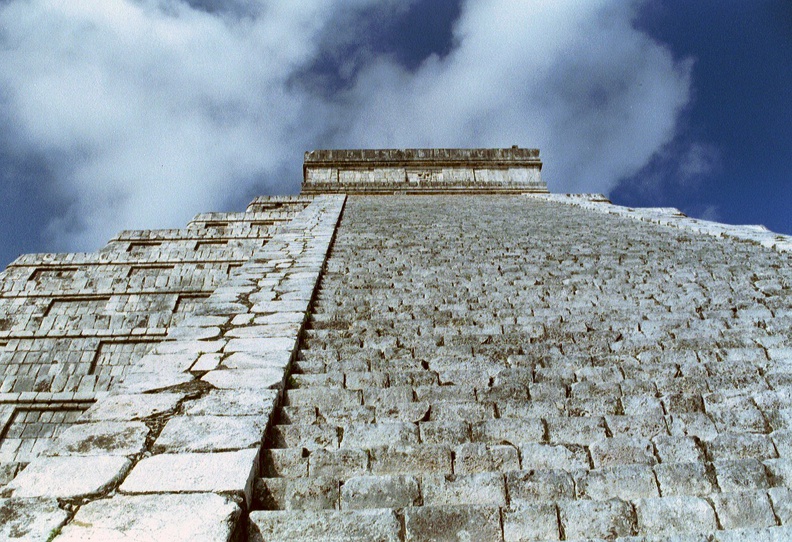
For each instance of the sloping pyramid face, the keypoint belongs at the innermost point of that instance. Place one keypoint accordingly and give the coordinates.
(443, 366)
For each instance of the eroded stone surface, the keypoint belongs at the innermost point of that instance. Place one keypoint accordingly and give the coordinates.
(68, 477)
(193, 472)
(185, 517)
(101, 438)
(33, 520)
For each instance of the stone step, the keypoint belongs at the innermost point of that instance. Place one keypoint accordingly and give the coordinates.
(327, 525)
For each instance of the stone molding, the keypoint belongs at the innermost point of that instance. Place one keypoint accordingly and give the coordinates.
(417, 171)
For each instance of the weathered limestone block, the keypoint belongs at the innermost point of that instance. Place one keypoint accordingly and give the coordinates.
(132, 407)
(329, 525)
(452, 523)
(397, 491)
(194, 472)
(246, 379)
(380, 434)
(210, 434)
(233, 403)
(312, 437)
(410, 459)
(741, 475)
(485, 488)
(622, 451)
(33, 520)
(315, 493)
(478, 457)
(530, 522)
(339, 464)
(597, 519)
(624, 482)
(100, 438)
(743, 510)
(68, 477)
(567, 457)
(285, 463)
(172, 517)
(539, 486)
(685, 479)
(675, 515)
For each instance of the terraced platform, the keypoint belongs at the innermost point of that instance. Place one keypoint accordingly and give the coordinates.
(506, 368)
(492, 363)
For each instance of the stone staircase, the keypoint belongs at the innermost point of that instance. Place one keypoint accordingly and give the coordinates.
(507, 369)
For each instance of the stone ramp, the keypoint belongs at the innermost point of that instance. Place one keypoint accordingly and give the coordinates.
(501, 368)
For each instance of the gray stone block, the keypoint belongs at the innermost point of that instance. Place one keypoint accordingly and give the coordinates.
(539, 486)
(410, 459)
(385, 491)
(676, 449)
(368, 436)
(674, 515)
(485, 488)
(210, 434)
(338, 464)
(445, 432)
(582, 431)
(741, 475)
(100, 439)
(478, 457)
(452, 523)
(746, 510)
(194, 472)
(329, 525)
(68, 477)
(508, 431)
(312, 437)
(685, 479)
(284, 462)
(315, 493)
(131, 407)
(530, 522)
(597, 519)
(622, 451)
(567, 457)
(627, 483)
(32, 520)
(177, 518)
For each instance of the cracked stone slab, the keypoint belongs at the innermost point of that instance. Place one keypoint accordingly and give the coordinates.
(68, 477)
(132, 406)
(194, 472)
(171, 517)
(234, 379)
(260, 360)
(210, 433)
(100, 438)
(233, 403)
(31, 520)
(267, 344)
(149, 382)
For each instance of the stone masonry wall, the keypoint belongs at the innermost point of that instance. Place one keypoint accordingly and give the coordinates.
(456, 367)
(507, 368)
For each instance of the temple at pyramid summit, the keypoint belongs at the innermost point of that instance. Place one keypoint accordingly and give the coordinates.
(423, 345)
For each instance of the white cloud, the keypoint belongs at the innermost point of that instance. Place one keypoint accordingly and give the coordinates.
(150, 111)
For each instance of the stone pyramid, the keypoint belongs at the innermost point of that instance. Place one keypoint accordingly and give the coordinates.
(424, 345)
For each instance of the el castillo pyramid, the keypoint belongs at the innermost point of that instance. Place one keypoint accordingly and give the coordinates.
(424, 345)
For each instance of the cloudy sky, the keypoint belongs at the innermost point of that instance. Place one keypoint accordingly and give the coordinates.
(131, 114)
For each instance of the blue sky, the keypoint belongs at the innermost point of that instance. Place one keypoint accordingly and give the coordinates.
(142, 113)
